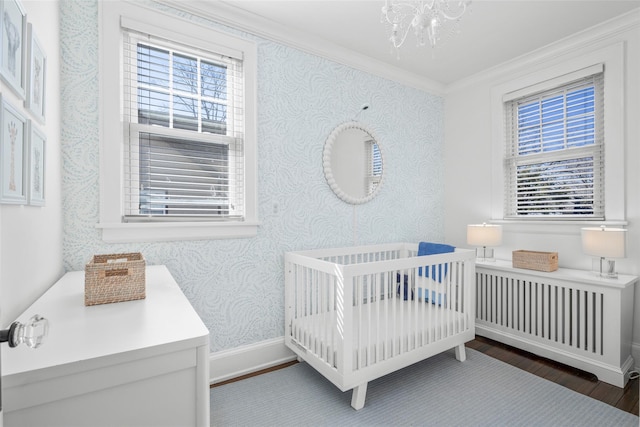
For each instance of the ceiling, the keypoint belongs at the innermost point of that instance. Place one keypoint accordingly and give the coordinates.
(491, 33)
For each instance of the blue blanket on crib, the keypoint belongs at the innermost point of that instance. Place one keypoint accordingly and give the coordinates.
(435, 298)
(436, 272)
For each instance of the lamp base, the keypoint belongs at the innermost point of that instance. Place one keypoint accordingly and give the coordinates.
(485, 254)
(605, 268)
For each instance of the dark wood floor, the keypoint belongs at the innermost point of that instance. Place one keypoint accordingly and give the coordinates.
(582, 382)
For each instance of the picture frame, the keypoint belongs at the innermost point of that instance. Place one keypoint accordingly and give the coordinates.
(36, 76)
(13, 31)
(37, 164)
(13, 154)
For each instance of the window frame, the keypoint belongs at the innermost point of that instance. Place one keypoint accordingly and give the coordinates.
(612, 58)
(146, 20)
(514, 159)
(136, 129)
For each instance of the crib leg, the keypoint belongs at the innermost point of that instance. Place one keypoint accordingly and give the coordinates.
(358, 396)
(461, 353)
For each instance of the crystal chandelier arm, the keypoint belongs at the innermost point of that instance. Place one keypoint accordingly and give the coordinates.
(394, 14)
(428, 19)
(461, 4)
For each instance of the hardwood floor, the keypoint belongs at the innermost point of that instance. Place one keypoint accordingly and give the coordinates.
(582, 382)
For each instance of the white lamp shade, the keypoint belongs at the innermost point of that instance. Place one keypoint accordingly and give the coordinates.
(604, 242)
(484, 235)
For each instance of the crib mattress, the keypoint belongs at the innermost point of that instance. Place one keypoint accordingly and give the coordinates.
(380, 330)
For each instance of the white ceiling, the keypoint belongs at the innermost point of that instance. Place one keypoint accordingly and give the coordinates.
(492, 32)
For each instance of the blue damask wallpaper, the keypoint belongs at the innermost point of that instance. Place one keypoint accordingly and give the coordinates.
(237, 285)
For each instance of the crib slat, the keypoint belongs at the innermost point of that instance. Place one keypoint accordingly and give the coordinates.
(412, 339)
(388, 285)
(345, 289)
(314, 312)
(404, 295)
(376, 322)
(392, 324)
(448, 300)
(369, 340)
(299, 303)
(441, 287)
(454, 307)
(309, 307)
(357, 290)
(323, 311)
(453, 295)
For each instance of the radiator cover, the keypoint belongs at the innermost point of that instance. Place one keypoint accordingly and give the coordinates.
(571, 316)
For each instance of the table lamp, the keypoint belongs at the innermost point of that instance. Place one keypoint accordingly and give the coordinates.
(484, 235)
(604, 243)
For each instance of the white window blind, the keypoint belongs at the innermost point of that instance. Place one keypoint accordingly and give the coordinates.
(183, 115)
(554, 160)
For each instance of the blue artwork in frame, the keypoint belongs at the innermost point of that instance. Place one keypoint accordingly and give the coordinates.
(13, 31)
(37, 157)
(13, 155)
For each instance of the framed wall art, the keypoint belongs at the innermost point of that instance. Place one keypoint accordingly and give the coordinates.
(13, 31)
(37, 157)
(36, 76)
(13, 155)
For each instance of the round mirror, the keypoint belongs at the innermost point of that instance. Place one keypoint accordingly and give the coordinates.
(352, 163)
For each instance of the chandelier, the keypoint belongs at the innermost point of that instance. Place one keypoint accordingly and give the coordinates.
(432, 20)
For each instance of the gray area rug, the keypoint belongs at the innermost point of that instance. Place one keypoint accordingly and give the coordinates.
(439, 391)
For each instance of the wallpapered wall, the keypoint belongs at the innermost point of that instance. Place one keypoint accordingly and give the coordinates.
(237, 285)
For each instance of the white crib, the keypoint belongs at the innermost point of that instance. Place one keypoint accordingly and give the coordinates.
(358, 313)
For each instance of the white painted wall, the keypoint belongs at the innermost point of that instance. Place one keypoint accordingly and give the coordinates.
(469, 150)
(236, 285)
(31, 237)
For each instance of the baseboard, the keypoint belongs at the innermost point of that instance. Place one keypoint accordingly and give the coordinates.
(228, 364)
(612, 374)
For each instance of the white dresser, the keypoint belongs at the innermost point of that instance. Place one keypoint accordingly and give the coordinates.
(136, 363)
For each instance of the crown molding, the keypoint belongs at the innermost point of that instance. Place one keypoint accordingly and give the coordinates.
(586, 39)
(225, 13)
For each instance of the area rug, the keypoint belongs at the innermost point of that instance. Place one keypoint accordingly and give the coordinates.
(439, 391)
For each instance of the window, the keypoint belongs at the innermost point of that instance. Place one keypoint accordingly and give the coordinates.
(535, 79)
(178, 135)
(554, 162)
(185, 126)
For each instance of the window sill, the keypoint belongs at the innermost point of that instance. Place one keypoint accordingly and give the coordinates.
(553, 226)
(161, 232)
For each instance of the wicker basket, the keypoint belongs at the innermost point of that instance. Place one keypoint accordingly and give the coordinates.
(114, 278)
(532, 260)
